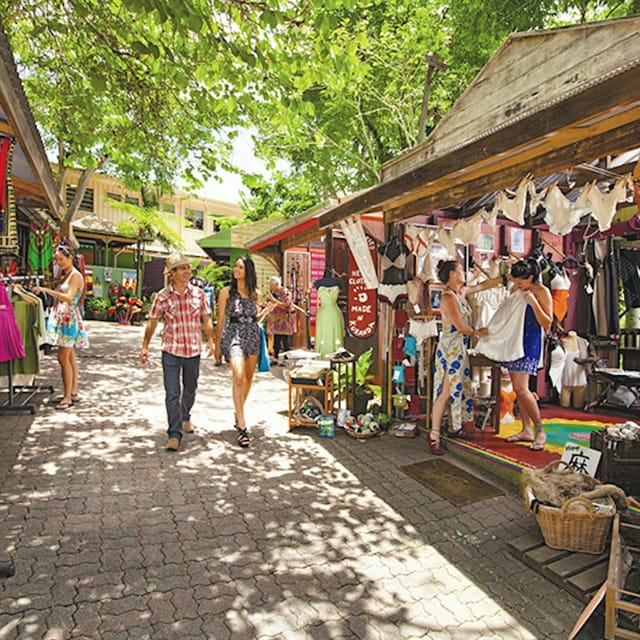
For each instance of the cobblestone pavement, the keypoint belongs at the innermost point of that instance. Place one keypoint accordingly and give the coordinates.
(296, 538)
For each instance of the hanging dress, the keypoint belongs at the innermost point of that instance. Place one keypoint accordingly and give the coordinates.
(452, 359)
(329, 322)
(11, 345)
(65, 326)
(241, 333)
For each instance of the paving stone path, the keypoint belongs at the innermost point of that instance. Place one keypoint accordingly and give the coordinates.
(296, 538)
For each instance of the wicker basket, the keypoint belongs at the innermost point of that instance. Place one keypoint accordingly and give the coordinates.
(578, 525)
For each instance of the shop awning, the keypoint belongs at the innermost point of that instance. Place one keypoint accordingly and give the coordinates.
(219, 245)
(33, 182)
(546, 102)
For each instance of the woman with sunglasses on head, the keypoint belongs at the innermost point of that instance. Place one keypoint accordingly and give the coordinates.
(238, 336)
(65, 326)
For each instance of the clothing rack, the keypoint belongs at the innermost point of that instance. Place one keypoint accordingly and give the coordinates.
(15, 391)
(29, 390)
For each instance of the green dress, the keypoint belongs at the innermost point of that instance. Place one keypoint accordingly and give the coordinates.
(329, 322)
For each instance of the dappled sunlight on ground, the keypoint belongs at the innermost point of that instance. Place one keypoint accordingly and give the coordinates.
(296, 537)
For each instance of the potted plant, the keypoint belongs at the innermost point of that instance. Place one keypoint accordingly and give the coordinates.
(365, 391)
(96, 308)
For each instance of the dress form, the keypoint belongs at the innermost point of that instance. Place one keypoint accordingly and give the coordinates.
(574, 376)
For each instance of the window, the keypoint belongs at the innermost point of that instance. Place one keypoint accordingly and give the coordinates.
(87, 199)
(114, 196)
(132, 200)
(195, 217)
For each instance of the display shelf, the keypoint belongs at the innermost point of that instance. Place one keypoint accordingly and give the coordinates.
(323, 385)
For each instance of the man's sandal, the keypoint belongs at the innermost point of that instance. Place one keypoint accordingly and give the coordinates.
(243, 438)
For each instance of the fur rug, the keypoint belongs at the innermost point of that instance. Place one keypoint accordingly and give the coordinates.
(554, 485)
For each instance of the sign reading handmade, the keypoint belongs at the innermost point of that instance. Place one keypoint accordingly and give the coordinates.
(361, 308)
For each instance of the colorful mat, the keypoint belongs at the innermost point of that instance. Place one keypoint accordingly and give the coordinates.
(513, 457)
(559, 431)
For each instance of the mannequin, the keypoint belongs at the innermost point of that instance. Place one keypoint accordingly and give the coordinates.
(574, 374)
(393, 263)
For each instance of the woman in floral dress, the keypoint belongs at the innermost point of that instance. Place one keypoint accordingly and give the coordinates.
(65, 326)
(452, 376)
(281, 319)
(238, 336)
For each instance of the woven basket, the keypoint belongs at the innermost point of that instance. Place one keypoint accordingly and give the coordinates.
(577, 525)
(361, 436)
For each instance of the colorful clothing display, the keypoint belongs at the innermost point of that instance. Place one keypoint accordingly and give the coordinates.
(241, 333)
(452, 360)
(11, 345)
(65, 326)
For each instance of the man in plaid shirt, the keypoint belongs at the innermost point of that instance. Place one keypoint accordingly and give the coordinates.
(185, 311)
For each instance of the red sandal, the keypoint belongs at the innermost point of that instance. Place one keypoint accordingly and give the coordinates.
(435, 447)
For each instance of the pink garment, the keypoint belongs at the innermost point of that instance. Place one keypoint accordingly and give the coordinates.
(11, 346)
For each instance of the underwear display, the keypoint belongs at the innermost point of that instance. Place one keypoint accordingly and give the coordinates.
(391, 293)
(514, 208)
(560, 285)
(467, 230)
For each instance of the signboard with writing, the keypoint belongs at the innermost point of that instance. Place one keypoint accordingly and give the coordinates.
(361, 307)
(581, 459)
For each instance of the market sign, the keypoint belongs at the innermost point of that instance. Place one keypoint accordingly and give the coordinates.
(361, 307)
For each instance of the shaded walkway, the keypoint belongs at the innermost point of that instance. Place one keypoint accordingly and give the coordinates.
(298, 537)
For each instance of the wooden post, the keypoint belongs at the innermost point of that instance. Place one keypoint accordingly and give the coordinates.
(434, 64)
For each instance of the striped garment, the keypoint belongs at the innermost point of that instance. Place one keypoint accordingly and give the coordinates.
(183, 316)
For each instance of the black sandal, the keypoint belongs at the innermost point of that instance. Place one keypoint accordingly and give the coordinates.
(243, 438)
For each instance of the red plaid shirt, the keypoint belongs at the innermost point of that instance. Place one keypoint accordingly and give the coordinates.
(183, 316)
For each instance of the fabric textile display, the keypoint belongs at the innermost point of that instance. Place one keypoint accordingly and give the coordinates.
(11, 344)
(8, 224)
(357, 241)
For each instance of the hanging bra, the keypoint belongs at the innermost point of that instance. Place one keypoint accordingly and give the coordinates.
(399, 263)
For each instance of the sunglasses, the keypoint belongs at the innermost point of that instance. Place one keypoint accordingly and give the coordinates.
(64, 250)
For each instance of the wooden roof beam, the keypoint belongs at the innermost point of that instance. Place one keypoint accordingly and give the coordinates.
(605, 143)
(596, 105)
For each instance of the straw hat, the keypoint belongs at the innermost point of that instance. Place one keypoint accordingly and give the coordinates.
(175, 260)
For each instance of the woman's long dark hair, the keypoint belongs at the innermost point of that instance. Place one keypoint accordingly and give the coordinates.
(249, 278)
(68, 252)
(524, 269)
(445, 269)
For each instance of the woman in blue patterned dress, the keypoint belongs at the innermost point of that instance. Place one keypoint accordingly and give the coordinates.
(238, 336)
(537, 320)
(452, 374)
(65, 326)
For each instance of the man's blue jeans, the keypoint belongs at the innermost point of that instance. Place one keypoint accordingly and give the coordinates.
(180, 384)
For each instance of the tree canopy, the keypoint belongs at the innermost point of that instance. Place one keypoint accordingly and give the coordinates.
(152, 91)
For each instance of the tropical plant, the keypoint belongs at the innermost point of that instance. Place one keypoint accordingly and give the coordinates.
(96, 308)
(146, 223)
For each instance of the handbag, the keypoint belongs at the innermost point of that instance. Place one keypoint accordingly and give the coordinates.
(263, 359)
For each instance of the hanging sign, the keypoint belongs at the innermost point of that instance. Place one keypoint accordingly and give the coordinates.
(361, 308)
